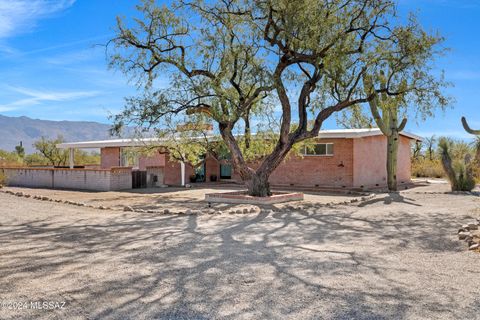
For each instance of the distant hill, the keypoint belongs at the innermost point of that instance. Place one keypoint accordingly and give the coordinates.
(16, 129)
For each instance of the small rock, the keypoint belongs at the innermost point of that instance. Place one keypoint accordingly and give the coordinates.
(45, 198)
(464, 235)
(27, 196)
(245, 211)
(253, 210)
(238, 211)
(474, 246)
(231, 212)
(150, 211)
(166, 211)
(19, 194)
(102, 208)
(128, 208)
(472, 226)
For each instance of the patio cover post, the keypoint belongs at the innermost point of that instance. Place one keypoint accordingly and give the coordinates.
(72, 157)
(182, 170)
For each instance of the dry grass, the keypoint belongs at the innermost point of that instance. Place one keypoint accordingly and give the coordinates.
(3, 179)
(425, 168)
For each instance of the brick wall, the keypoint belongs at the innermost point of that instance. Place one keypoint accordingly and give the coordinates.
(110, 157)
(332, 171)
(81, 179)
(156, 159)
(172, 172)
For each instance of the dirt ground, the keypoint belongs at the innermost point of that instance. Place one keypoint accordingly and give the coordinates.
(170, 198)
(391, 257)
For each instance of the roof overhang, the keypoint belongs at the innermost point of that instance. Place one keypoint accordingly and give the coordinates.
(152, 142)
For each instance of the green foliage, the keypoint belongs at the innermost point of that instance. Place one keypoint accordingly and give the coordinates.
(20, 150)
(9, 159)
(234, 62)
(48, 149)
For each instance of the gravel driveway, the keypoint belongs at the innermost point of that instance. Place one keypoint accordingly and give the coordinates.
(393, 257)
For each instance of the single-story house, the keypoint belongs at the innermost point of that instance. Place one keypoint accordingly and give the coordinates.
(351, 158)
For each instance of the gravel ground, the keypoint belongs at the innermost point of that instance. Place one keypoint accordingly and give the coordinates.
(392, 257)
(168, 198)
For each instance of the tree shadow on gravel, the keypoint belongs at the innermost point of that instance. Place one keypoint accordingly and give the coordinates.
(323, 263)
(391, 198)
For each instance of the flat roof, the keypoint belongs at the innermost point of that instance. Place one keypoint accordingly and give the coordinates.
(145, 142)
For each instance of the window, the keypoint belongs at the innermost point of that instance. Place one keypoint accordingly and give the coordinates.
(319, 149)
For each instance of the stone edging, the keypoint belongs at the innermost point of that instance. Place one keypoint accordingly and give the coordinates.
(284, 209)
(465, 233)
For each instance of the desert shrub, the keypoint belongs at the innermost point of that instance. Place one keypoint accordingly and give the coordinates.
(425, 168)
(460, 173)
(3, 178)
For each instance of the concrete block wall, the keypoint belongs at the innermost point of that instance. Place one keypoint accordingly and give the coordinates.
(29, 177)
(121, 178)
(80, 179)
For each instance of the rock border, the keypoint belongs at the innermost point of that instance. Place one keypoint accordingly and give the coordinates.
(465, 234)
(210, 211)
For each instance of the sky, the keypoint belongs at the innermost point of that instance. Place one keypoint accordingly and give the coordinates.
(53, 64)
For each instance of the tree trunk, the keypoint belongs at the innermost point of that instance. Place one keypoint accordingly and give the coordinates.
(392, 153)
(258, 186)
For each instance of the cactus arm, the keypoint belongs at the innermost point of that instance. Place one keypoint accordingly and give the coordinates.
(402, 125)
(377, 117)
(467, 127)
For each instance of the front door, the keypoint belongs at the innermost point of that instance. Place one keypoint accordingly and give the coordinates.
(139, 179)
(200, 173)
(225, 171)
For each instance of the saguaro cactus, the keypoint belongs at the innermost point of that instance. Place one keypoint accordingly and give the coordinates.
(474, 132)
(468, 129)
(387, 121)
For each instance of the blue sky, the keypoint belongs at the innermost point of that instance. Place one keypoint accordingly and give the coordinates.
(51, 68)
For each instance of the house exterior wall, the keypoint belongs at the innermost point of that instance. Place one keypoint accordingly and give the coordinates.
(172, 173)
(110, 157)
(332, 171)
(358, 162)
(370, 158)
(81, 179)
(156, 159)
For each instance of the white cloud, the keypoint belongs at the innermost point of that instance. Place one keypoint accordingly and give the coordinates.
(22, 15)
(35, 97)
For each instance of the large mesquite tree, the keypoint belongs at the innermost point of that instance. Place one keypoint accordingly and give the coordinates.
(231, 60)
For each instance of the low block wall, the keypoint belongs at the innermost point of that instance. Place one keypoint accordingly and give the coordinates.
(82, 179)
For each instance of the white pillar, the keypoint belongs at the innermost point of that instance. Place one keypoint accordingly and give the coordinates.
(72, 158)
(182, 172)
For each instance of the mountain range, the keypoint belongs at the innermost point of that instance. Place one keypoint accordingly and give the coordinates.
(14, 130)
